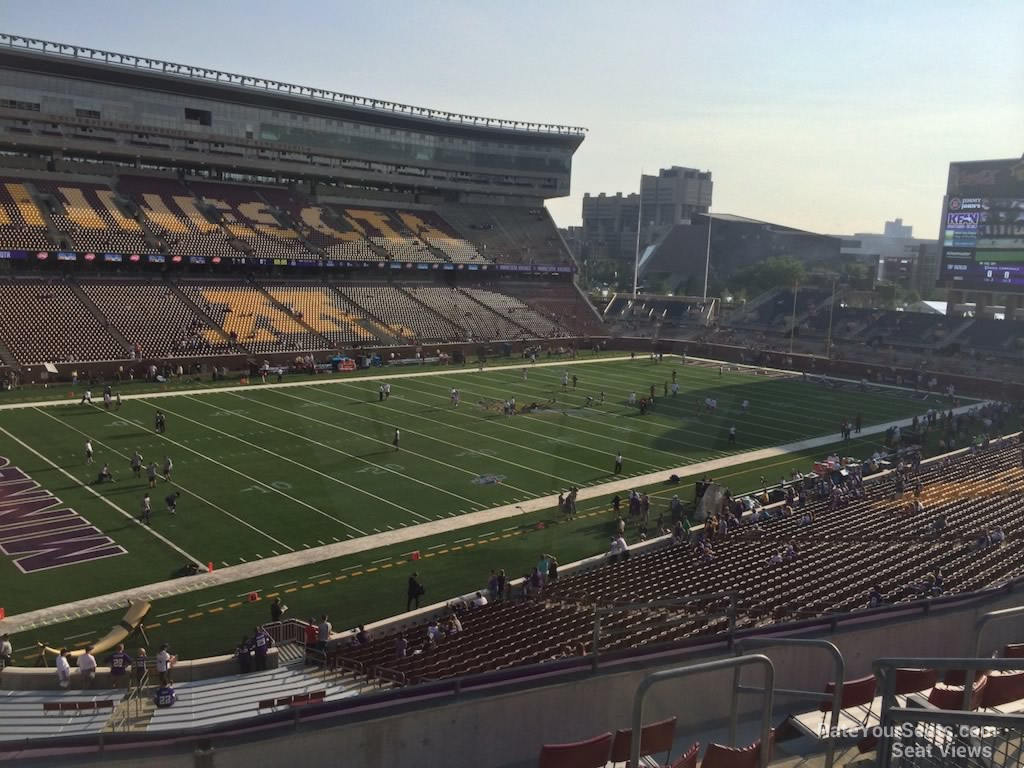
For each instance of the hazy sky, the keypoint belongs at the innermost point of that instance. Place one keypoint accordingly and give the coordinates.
(832, 116)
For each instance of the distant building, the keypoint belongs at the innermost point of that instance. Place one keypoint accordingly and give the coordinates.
(678, 259)
(900, 258)
(897, 229)
(609, 228)
(672, 197)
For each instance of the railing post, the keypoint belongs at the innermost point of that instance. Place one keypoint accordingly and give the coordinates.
(710, 666)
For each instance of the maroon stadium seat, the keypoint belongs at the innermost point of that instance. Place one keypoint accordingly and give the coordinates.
(592, 753)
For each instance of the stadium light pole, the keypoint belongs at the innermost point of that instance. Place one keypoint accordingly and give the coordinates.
(831, 311)
(639, 223)
(707, 256)
(792, 325)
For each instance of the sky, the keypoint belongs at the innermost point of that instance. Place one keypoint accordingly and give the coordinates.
(828, 116)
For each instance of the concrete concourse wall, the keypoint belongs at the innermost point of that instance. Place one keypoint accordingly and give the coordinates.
(506, 728)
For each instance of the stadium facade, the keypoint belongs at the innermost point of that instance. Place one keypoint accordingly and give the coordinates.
(70, 102)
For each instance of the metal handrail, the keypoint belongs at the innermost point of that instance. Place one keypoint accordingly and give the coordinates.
(836, 697)
(884, 670)
(708, 666)
(992, 616)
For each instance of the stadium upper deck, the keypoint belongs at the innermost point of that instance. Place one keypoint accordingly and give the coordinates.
(61, 102)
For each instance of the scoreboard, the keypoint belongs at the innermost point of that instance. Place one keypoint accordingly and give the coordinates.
(983, 226)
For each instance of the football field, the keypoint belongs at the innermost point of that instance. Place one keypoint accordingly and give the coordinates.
(270, 470)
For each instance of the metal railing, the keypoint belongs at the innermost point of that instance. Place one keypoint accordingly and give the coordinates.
(994, 616)
(287, 631)
(133, 701)
(836, 697)
(886, 669)
(711, 666)
(156, 66)
(931, 738)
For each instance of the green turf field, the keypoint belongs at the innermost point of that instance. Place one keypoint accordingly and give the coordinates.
(272, 470)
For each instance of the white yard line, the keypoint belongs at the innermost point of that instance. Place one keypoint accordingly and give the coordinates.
(104, 499)
(352, 455)
(405, 414)
(301, 559)
(298, 463)
(250, 477)
(468, 413)
(173, 484)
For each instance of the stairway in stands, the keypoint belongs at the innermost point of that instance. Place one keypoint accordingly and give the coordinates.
(95, 311)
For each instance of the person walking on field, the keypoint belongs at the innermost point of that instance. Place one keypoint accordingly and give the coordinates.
(618, 463)
(147, 509)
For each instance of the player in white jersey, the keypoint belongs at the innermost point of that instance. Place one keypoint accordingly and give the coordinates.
(526, 374)
(88, 451)
(632, 399)
(86, 397)
(675, 388)
(455, 397)
(565, 381)
(744, 406)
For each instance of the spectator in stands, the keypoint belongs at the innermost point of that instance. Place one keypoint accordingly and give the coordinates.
(140, 664)
(243, 655)
(63, 669)
(414, 591)
(323, 630)
(261, 643)
(479, 601)
(120, 664)
(454, 626)
(434, 633)
(552, 569)
(361, 637)
(401, 646)
(165, 696)
(502, 582)
(164, 662)
(875, 596)
(6, 650)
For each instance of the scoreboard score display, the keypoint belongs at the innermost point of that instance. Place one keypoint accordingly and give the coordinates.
(983, 226)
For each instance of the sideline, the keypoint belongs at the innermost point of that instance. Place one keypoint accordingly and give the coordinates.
(317, 381)
(234, 573)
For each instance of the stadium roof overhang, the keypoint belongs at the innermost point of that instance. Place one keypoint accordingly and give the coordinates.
(59, 60)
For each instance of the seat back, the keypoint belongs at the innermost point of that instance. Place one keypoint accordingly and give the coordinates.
(654, 739)
(1002, 689)
(718, 756)
(944, 696)
(689, 758)
(592, 753)
(914, 680)
(1014, 651)
(856, 693)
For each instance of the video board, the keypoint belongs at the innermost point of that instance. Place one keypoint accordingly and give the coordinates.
(983, 226)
